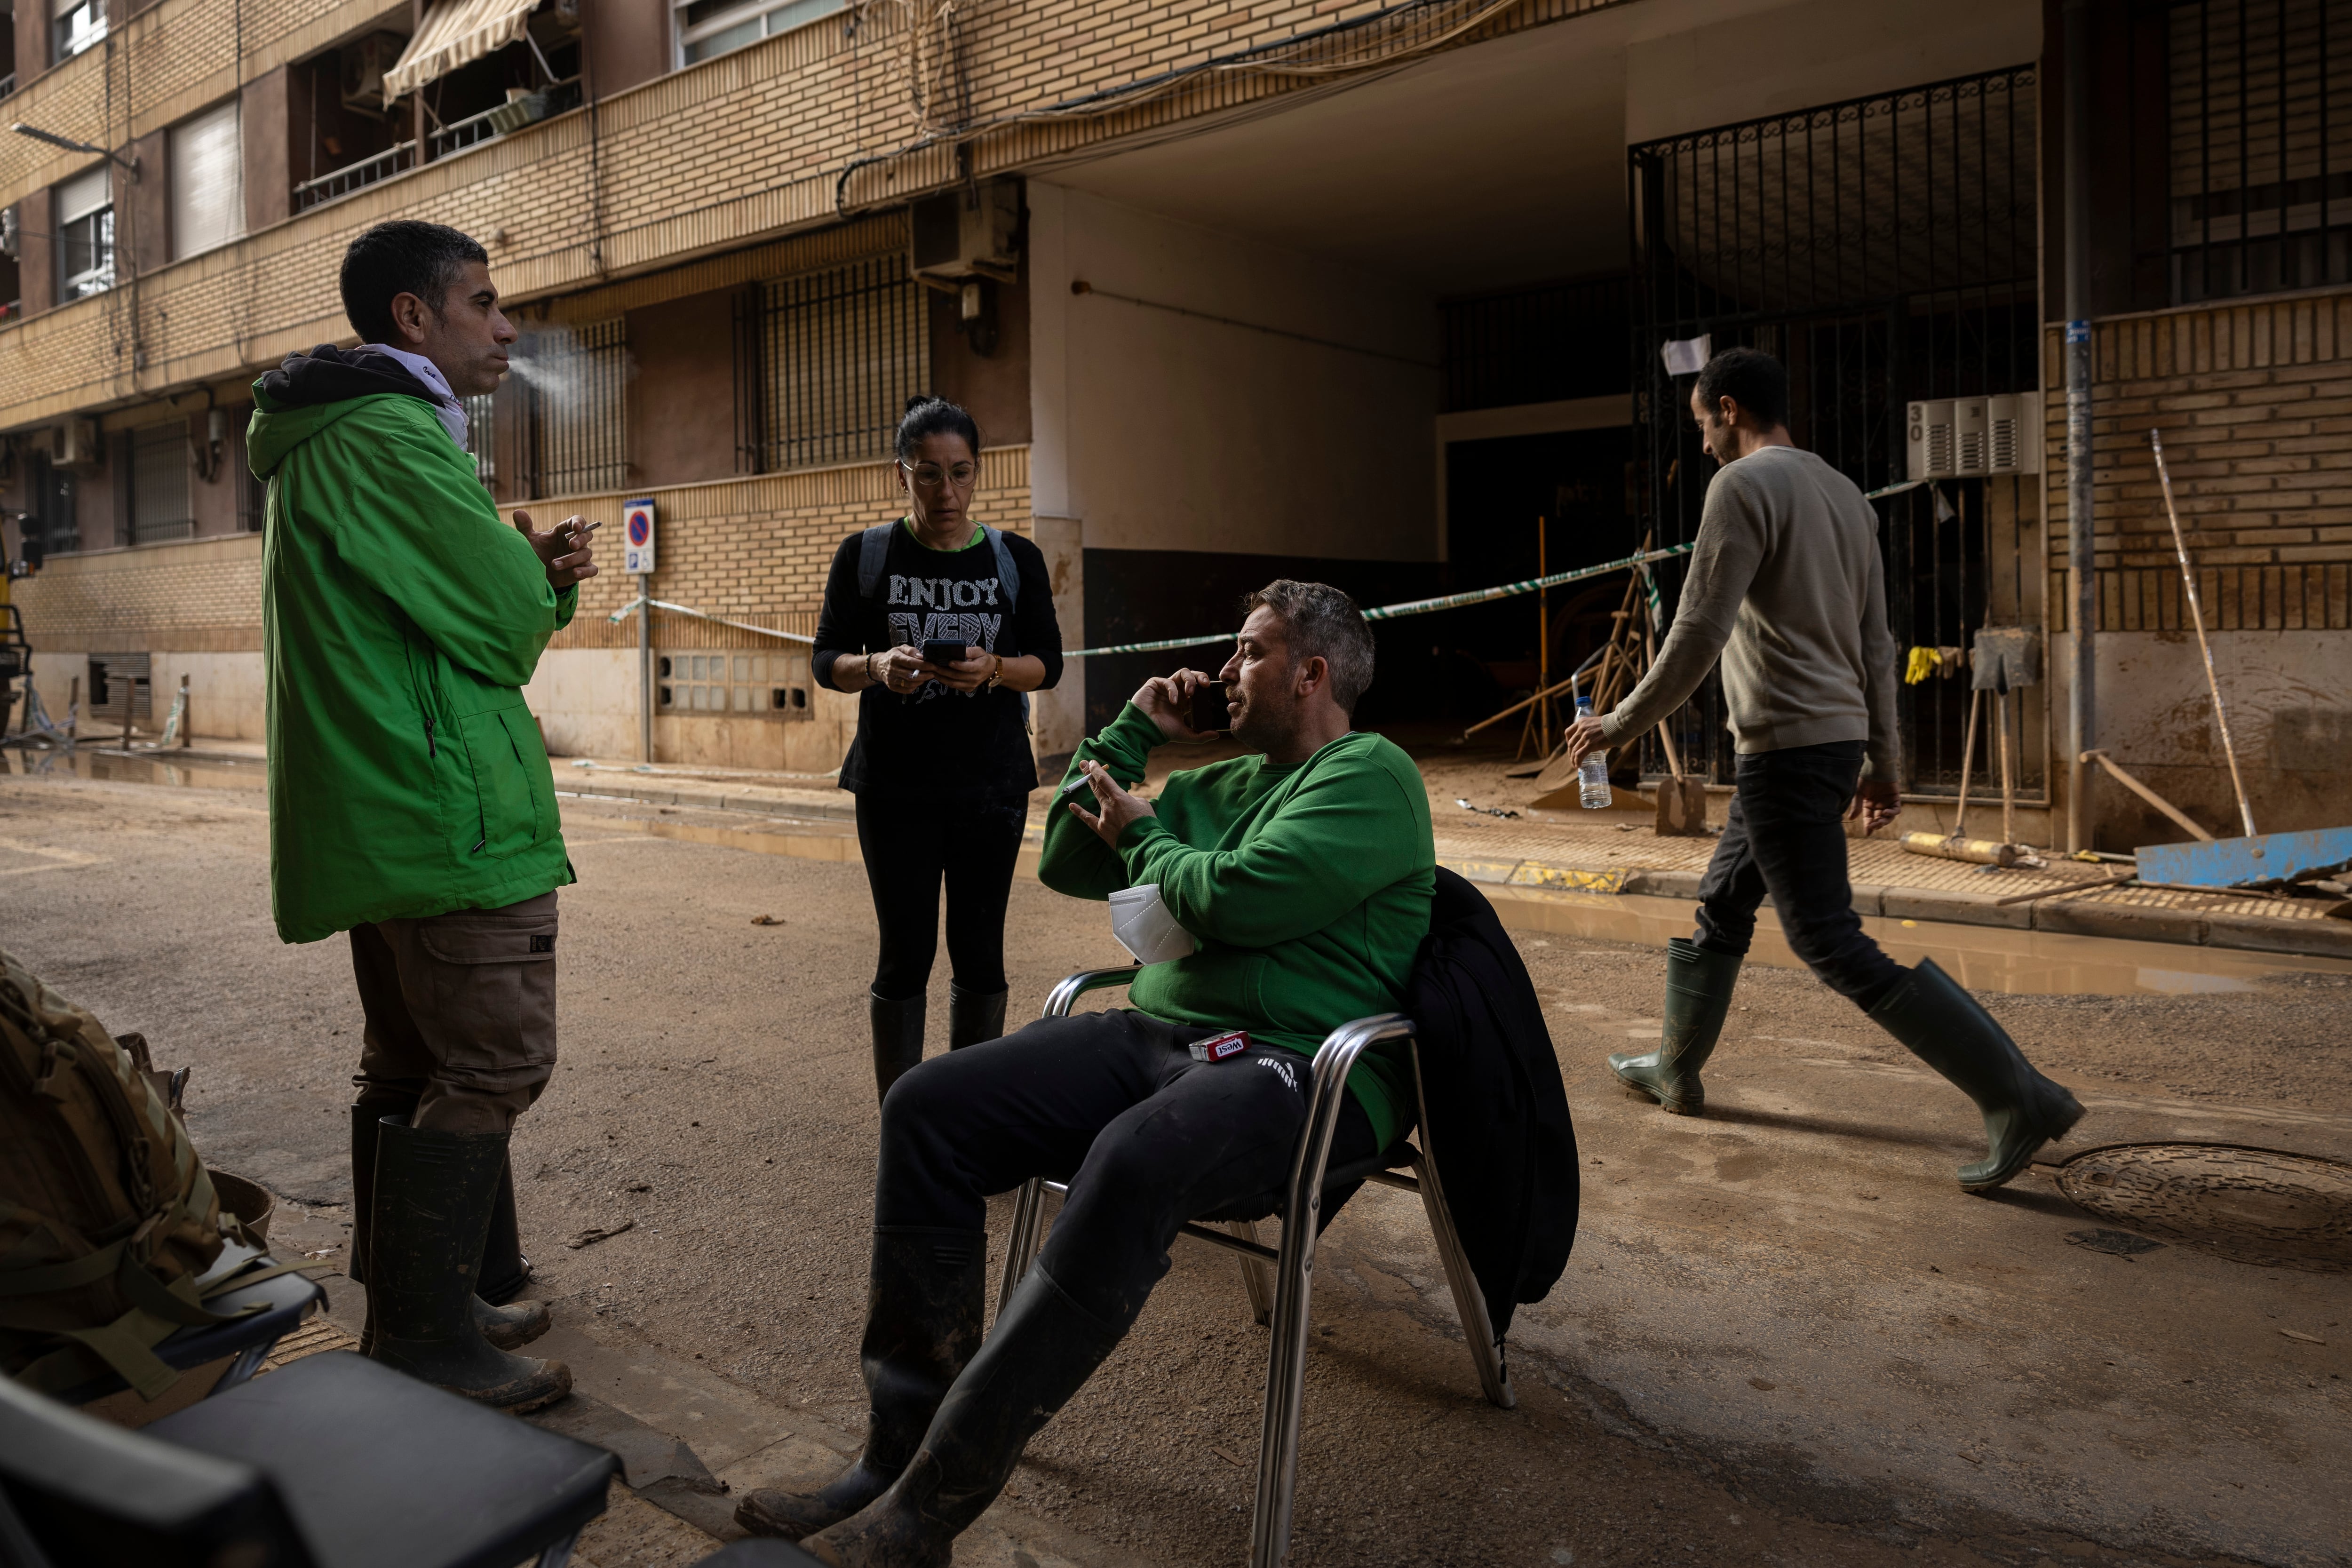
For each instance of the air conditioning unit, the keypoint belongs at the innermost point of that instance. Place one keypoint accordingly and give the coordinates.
(77, 444)
(363, 65)
(966, 233)
(1974, 438)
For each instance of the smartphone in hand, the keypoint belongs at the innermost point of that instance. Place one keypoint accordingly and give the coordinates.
(1209, 715)
(942, 652)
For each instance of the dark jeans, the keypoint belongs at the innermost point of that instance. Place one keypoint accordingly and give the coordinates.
(910, 848)
(1785, 836)
(1147, 1136)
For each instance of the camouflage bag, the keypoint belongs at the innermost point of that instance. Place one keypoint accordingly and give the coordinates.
(107, 1220)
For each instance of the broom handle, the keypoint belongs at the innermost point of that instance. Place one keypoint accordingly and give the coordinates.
(2196, 615)
(1968, 756)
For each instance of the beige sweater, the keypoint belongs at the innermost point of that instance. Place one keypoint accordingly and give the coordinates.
(1786, 585)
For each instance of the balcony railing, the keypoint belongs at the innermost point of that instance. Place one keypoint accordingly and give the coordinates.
(350, 177)
(470, 132)
(7, 84)
(507, 118)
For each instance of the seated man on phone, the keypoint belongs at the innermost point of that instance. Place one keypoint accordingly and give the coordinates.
(1304, 873)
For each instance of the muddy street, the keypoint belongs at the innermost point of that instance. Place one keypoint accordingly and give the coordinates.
(1784, 1335)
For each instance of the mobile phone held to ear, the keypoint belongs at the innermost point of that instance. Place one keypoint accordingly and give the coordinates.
(1209, 715)
(942, 652)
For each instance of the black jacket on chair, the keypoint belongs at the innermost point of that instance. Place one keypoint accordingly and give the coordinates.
(1497, 1113)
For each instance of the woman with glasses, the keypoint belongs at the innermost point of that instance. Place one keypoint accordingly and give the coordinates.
(941, 765)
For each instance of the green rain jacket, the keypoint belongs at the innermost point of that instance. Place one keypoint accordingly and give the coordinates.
(400, 618)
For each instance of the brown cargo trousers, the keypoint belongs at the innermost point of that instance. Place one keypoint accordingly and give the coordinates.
(460, 1014)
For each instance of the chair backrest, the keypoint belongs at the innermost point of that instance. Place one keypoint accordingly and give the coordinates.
(1494, 1111)
(74, 1490)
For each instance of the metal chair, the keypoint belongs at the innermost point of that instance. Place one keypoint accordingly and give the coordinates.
(1284, 1300)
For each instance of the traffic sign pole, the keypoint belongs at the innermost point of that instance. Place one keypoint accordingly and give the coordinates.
(637, 559)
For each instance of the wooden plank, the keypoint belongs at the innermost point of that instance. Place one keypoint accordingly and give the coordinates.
(2146, 794)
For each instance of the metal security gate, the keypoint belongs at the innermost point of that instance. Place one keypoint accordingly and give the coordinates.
(1885, 250)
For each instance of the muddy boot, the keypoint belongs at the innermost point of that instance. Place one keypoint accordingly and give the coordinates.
(1699, 996)
(898, 1037)
(922, 1324)
(506, 1272)
(508, 1327)
(973, 1016)
(433, 1197)
(1042, 1348)
(1947, 1030)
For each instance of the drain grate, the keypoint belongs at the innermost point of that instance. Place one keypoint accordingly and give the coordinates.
(2254, 1205)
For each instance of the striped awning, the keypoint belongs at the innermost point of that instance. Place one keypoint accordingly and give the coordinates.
(456, 33)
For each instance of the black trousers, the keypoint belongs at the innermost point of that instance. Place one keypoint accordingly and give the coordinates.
(910, 848)
(1114, 1104)
(1785, 836)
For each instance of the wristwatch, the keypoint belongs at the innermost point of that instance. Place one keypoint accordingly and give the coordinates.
(994, 676)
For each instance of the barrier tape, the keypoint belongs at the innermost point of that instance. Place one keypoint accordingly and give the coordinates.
(1415, 606)
(1382, 613)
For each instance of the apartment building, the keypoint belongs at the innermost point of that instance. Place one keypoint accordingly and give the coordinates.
(1378, 293)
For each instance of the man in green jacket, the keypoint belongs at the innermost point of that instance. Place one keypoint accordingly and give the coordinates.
(411, 802)
(1304, 873)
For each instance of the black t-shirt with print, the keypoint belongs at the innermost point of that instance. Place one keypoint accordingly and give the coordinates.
(933, 743)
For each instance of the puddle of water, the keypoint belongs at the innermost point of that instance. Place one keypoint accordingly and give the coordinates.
(83, 761)
(1983, 958)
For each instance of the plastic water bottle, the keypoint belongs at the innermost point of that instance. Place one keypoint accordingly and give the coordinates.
(1592, 777)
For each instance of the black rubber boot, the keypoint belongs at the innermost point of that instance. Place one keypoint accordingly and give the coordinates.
(1699, 996)
(1948, 1028)
(922, 1324)
(433, 1196)
(1043, 1348)
(506, 1272)
(508, 1327)
(898, 1037)
(973, 1016)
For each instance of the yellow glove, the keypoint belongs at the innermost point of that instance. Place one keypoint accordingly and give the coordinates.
(1919, 667)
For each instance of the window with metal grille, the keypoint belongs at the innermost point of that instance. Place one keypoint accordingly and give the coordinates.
(576, 379)
(2262, 200)
(825, 362)
(1535, 346)
(1884, 249)
(739, 685)
(481, 436)
(159, 484)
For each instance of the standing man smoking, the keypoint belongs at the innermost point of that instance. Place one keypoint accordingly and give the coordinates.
(1787, 587)
(411, 802)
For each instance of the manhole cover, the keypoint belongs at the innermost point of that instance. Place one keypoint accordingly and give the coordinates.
(2255, 1206)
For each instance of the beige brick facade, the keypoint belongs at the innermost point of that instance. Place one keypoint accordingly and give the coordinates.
(2254, 402)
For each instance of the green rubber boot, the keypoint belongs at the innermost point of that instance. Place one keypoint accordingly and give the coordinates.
(1948, 1029)
(1698, 996)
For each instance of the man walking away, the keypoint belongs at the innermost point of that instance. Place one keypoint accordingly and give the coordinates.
(411, 802)
(1786, 585)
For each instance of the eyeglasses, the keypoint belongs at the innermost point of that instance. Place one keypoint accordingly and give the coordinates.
(931, 475)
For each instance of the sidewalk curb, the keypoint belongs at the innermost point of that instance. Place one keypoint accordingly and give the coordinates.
(2256, 934)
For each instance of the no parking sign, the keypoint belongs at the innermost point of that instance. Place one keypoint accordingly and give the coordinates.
(637, 537)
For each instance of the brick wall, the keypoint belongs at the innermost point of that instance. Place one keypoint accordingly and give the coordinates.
(200, 594)
(2254, 402)
(751, 549)
(755, 549)
(725, 154)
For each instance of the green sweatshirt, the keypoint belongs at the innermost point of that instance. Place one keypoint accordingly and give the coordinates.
(1308, 889)
(400, 617)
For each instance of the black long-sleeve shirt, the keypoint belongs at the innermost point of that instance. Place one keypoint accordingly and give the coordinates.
(934, 743)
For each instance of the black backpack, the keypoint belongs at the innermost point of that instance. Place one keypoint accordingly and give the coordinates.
(1497, 1113)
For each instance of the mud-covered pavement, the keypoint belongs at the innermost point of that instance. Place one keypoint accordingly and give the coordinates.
(1784, 1336)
